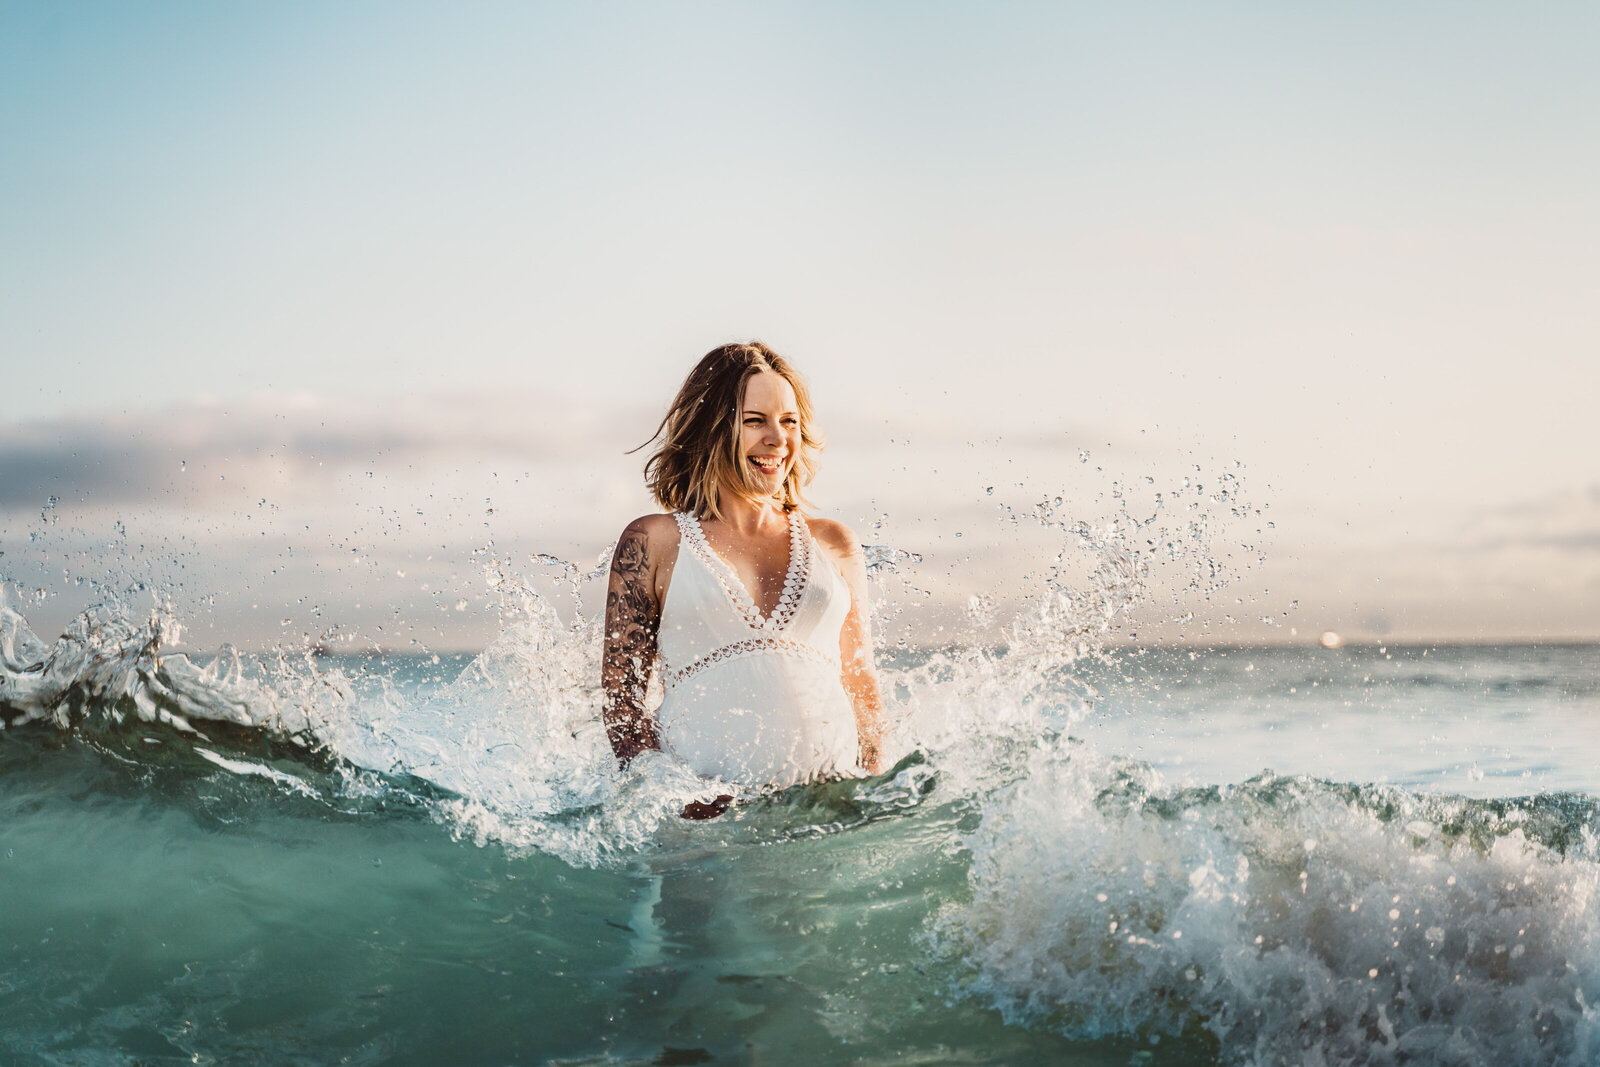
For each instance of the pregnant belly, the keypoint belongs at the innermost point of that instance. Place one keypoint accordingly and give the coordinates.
(767, 720)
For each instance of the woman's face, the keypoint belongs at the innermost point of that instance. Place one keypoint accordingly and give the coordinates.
(770, 435)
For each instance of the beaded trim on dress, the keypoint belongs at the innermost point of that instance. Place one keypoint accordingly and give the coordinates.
(795, 579)
(749, 647)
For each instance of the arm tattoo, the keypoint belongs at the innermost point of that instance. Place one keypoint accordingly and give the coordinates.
(632, 618)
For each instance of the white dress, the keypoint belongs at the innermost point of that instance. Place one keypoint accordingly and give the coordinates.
(751, 700)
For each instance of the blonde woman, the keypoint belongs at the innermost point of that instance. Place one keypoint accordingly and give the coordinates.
(754, 613)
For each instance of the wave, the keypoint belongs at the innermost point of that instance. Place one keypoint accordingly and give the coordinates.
(1285, 919)
(1281, 919)
(109, 668)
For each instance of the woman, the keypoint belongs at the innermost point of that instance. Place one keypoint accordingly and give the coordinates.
(755, 614)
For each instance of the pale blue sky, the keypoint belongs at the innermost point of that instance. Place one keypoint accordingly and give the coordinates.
(1352, 245)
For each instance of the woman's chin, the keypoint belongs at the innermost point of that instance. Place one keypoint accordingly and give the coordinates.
(767, 484)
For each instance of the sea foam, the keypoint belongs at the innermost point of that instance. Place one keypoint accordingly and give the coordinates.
(1286, 920)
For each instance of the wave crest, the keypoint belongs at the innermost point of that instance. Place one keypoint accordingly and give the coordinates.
(1286, 919)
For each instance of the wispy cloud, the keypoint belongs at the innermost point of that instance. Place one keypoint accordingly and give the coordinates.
(1567, 521)
(295, 444)
(299, 508)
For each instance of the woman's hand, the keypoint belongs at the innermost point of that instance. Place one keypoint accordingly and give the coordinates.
(710, 810)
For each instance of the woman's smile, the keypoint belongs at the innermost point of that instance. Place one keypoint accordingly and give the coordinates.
(767, 464)
(770, 427)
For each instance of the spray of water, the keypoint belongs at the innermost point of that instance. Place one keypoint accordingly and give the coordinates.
(1278, 920)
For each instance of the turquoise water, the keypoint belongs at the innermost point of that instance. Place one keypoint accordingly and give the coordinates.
(435, 863)
(157, 913)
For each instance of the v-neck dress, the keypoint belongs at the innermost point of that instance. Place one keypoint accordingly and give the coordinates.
(755, 700)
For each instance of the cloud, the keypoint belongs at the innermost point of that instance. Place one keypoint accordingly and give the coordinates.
(288, 500)
(267, 508)
(1566, 521)
(297, 448)
(293, 443)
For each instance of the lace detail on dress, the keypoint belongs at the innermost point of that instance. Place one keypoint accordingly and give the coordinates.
(748, 647)
(795, 578)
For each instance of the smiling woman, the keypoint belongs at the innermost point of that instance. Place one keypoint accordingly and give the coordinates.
(753, 613)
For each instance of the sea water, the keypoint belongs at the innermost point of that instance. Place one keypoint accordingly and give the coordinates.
(1088, 851)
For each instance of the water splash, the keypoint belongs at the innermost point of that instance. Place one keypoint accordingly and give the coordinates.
(1289, 920)
(110, 668)
(515, 738)
(1278, 920)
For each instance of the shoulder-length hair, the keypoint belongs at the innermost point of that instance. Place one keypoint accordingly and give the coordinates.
(701, 436)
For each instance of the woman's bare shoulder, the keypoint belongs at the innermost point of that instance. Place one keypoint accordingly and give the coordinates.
(657, 525)
(651, 531)
(834, 536)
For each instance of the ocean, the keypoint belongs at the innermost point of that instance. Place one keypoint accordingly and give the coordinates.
(1087, 852)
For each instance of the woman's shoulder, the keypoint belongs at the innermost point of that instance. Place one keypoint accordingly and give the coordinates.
(834, 536)
(652, 533)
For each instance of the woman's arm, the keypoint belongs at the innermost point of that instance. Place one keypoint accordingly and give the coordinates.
(859, 676)
(633, 615)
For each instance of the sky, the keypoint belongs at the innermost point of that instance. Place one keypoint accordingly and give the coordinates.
(308, 306)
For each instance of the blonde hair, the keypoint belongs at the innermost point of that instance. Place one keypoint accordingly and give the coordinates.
(701, 434)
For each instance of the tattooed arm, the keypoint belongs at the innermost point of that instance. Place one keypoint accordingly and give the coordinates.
(633, 614)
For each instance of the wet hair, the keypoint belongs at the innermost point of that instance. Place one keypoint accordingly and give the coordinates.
(701, 436)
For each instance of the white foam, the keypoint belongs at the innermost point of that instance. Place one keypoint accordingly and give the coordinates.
(1292, 920)
(258, 770)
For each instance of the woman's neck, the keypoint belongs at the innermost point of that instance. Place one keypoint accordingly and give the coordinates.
(745, 516)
